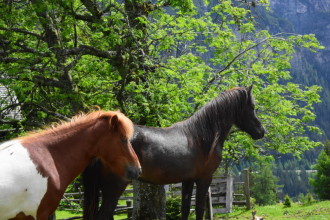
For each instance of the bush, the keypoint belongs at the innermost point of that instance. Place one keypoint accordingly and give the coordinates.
(173, 208)
(287, 201)
(306, 199)
(252, 202)
(309, 198)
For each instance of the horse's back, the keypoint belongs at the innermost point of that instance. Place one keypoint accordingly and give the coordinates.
(166, 154)
(22, 187)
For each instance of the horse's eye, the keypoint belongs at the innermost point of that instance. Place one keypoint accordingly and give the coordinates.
(124, 140)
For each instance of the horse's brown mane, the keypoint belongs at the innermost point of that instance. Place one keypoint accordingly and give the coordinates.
(84, 120)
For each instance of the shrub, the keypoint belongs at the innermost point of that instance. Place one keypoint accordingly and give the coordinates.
(173, 208)
(306, 199)
(287, 201)
(252, 202)
(309, 198)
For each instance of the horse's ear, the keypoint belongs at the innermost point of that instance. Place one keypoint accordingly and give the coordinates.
(249, 89)
(114, 122)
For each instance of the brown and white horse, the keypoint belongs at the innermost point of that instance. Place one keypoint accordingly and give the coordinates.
(36, 169)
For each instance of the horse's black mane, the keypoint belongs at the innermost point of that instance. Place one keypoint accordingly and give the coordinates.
(216, 115)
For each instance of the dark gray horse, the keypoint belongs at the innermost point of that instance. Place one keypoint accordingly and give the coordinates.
(188, 152)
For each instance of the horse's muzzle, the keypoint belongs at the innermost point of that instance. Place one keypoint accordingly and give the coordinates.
(260, 134)
(133, 172)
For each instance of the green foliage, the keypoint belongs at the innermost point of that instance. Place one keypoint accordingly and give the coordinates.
(173, 207)
(157, 62)
(309, 198)
(293, 173)
(287, 201)
(263, 186)
(306, 199)
(321, 180)
(252, 202)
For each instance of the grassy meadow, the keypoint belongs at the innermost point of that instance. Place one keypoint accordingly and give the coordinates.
(314, 211)
(60, 214)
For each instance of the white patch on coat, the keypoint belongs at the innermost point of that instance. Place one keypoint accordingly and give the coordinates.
(22, 187)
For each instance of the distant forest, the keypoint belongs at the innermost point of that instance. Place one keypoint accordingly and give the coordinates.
(293, 173)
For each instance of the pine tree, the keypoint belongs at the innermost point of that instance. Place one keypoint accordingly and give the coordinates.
(287, 201)
(264, 186)
(321, 181)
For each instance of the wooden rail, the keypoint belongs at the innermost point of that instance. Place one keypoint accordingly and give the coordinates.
(223, 194)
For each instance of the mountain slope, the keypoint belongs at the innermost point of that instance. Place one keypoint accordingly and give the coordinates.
(306, 17)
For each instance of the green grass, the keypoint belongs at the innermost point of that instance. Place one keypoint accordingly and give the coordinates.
(314, 211)
(66, 214)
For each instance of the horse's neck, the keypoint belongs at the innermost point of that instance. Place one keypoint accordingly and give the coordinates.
(66, 154)
(80, 146)
(210, 126)
(206, 127)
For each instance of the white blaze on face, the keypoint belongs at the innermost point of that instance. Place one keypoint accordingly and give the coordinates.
(22, 187)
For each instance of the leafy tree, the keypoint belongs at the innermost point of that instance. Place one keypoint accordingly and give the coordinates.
(157, 61)
(321, 180)
(264, 186)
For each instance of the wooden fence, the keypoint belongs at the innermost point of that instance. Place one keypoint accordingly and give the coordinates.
(223, 194)
(74, 201)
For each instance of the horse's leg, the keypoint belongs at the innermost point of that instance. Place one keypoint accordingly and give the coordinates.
(202, 186)
(187, 189)
(112, 187)
(91, 183)
(52, 217)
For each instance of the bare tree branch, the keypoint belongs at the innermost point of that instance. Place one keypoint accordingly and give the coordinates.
(56, 115)
(240, 54)
(50, 36)
(88, 18)
(9, 122)
(10, 60)
(92, 8)
(18, 30)
(43, 81)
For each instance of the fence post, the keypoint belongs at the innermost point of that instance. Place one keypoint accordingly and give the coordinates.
(247, 188)
(129, 204)
(209, 207)
(229, 194)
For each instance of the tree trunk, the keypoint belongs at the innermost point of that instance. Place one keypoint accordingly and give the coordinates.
(149, 201)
